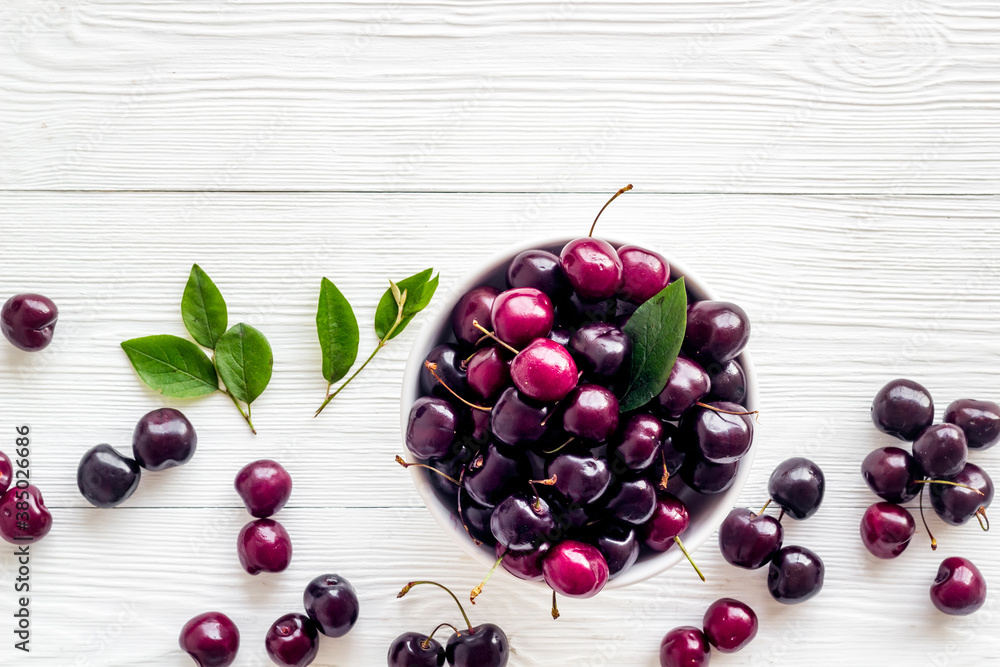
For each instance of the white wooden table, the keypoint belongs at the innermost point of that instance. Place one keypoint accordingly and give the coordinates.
(831, 165)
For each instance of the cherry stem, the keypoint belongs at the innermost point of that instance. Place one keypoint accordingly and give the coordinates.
(426, 644)
(553, 451)
(407, 587)
(476, 324)
(755, 413)
(688, 556)
(766, 505)
(666, 472)
(537, 505)
(924, 519)
(432, 367)
(555, 609)
(406, 464)
(461, 478)
(781, 515)
(980, 516)
(477, 591)
(944, 481)
(613, 197)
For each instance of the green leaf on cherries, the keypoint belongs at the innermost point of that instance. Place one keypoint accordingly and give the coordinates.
(244, 360)
(657, 331)
(338, 332)
(171, 365)
(419, 289)
(203, 308)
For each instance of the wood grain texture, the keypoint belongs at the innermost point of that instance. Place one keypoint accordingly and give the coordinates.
(845, 293)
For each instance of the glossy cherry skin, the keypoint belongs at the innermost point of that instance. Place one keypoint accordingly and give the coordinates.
(728, 382)
(6, 473)
(619, 546)
(795, 575)
(956, 504)
(577, 312)
(644, 273)
(716, 331)
(476, 305)
(708, 478)
(592, 266)
(521, 523)
(979, 420)
(525, 565)
(516, 419)
(521, 315)
(581, 479)
(687, 384)
(892, 474)
(631, 501)
(685, 646)
(477, 519)
(561, 336)
(575, 569)
(729, 625)
(264, 546)
(541, 270)
(407, 650)
(485, 645)
(211, 639)
(494, 474)
(718, 437)
(28, 321)
(292, 641)
(959, 588)
(886, 529)
(448, 366)
(601, 349)
(544, 371)
(669, 520)
(749, 540)
(106, 478)
(903, 408)
(432, 427)
(18, 506)
(332, 604)
(941, 450)
(265, 486)
(797, 486)
(163, 439)
(488, 372)
(591, 413)
(638, 442)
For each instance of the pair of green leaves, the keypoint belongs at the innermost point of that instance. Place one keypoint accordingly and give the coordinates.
(178, 368)
(657, 332)
(337, 326)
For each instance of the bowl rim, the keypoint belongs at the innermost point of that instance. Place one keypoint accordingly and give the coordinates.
(426, 338)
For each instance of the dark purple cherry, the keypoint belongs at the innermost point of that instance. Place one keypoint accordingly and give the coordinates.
(957, 504)
(631, 501)
(591, 413)
(28, 321)
(264, 546)
(264, 486)
(485, 645)
(525, 565)
(941, 450)
(669, 520)
(892, 474)
(412, 649)
(637, 444)
(293, 641)
(728, 382)
(797, 486)
(448, 366)
(494, 474)
(687, 384)
(886, 529)
(539, 269)
(561, 336)
(521, 315)
(685, 646)
(959, 588)
(476, 305)
(581, 479)
(577, 312)
(575, 569)
(903, 408)
(106, 478)
(544, 371)
(332, 604)
(749, 540)
(481, 432)
(516, 419)
(716, 331)
(477, 518)
(619, 546)
(163, 439)
(644, 273)
(718, 437)
(708, 478)
(592, 266)
(795, 575)
(979, 420)
(488, 373)
(601, 349)
(14, 527)
(211, 639)
(6, 473)
(432, 427)
(729, 625)
(522, 523)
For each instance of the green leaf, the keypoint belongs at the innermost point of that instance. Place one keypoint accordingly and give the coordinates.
(657, 331)
(338, 332)
(172, 365)
(419, 289)
(203, 308)
(243, 357)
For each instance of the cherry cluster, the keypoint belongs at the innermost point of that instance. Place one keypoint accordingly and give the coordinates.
(938, 459)
(728, 626)
(23, 515)
(263, 544)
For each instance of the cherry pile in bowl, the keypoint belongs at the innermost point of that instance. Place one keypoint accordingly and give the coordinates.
(938, 459)
(23, 516)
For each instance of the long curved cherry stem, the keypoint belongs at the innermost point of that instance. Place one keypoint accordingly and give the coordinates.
(755, 413)
(766, 505)
(406, 464)
(613, 197)
(432, 367)
(944, 481)
(537, 505)
(477, 591)
(688, 556)
(924, 519)
(461, 517)
(407, 587)
(980, 517)
(553, 451)
(555, 609)
(489, 333)
(426, 644)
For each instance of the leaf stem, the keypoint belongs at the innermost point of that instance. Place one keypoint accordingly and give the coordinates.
(246, 415)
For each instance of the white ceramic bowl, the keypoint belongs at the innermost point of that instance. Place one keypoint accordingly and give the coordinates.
(707, 512)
